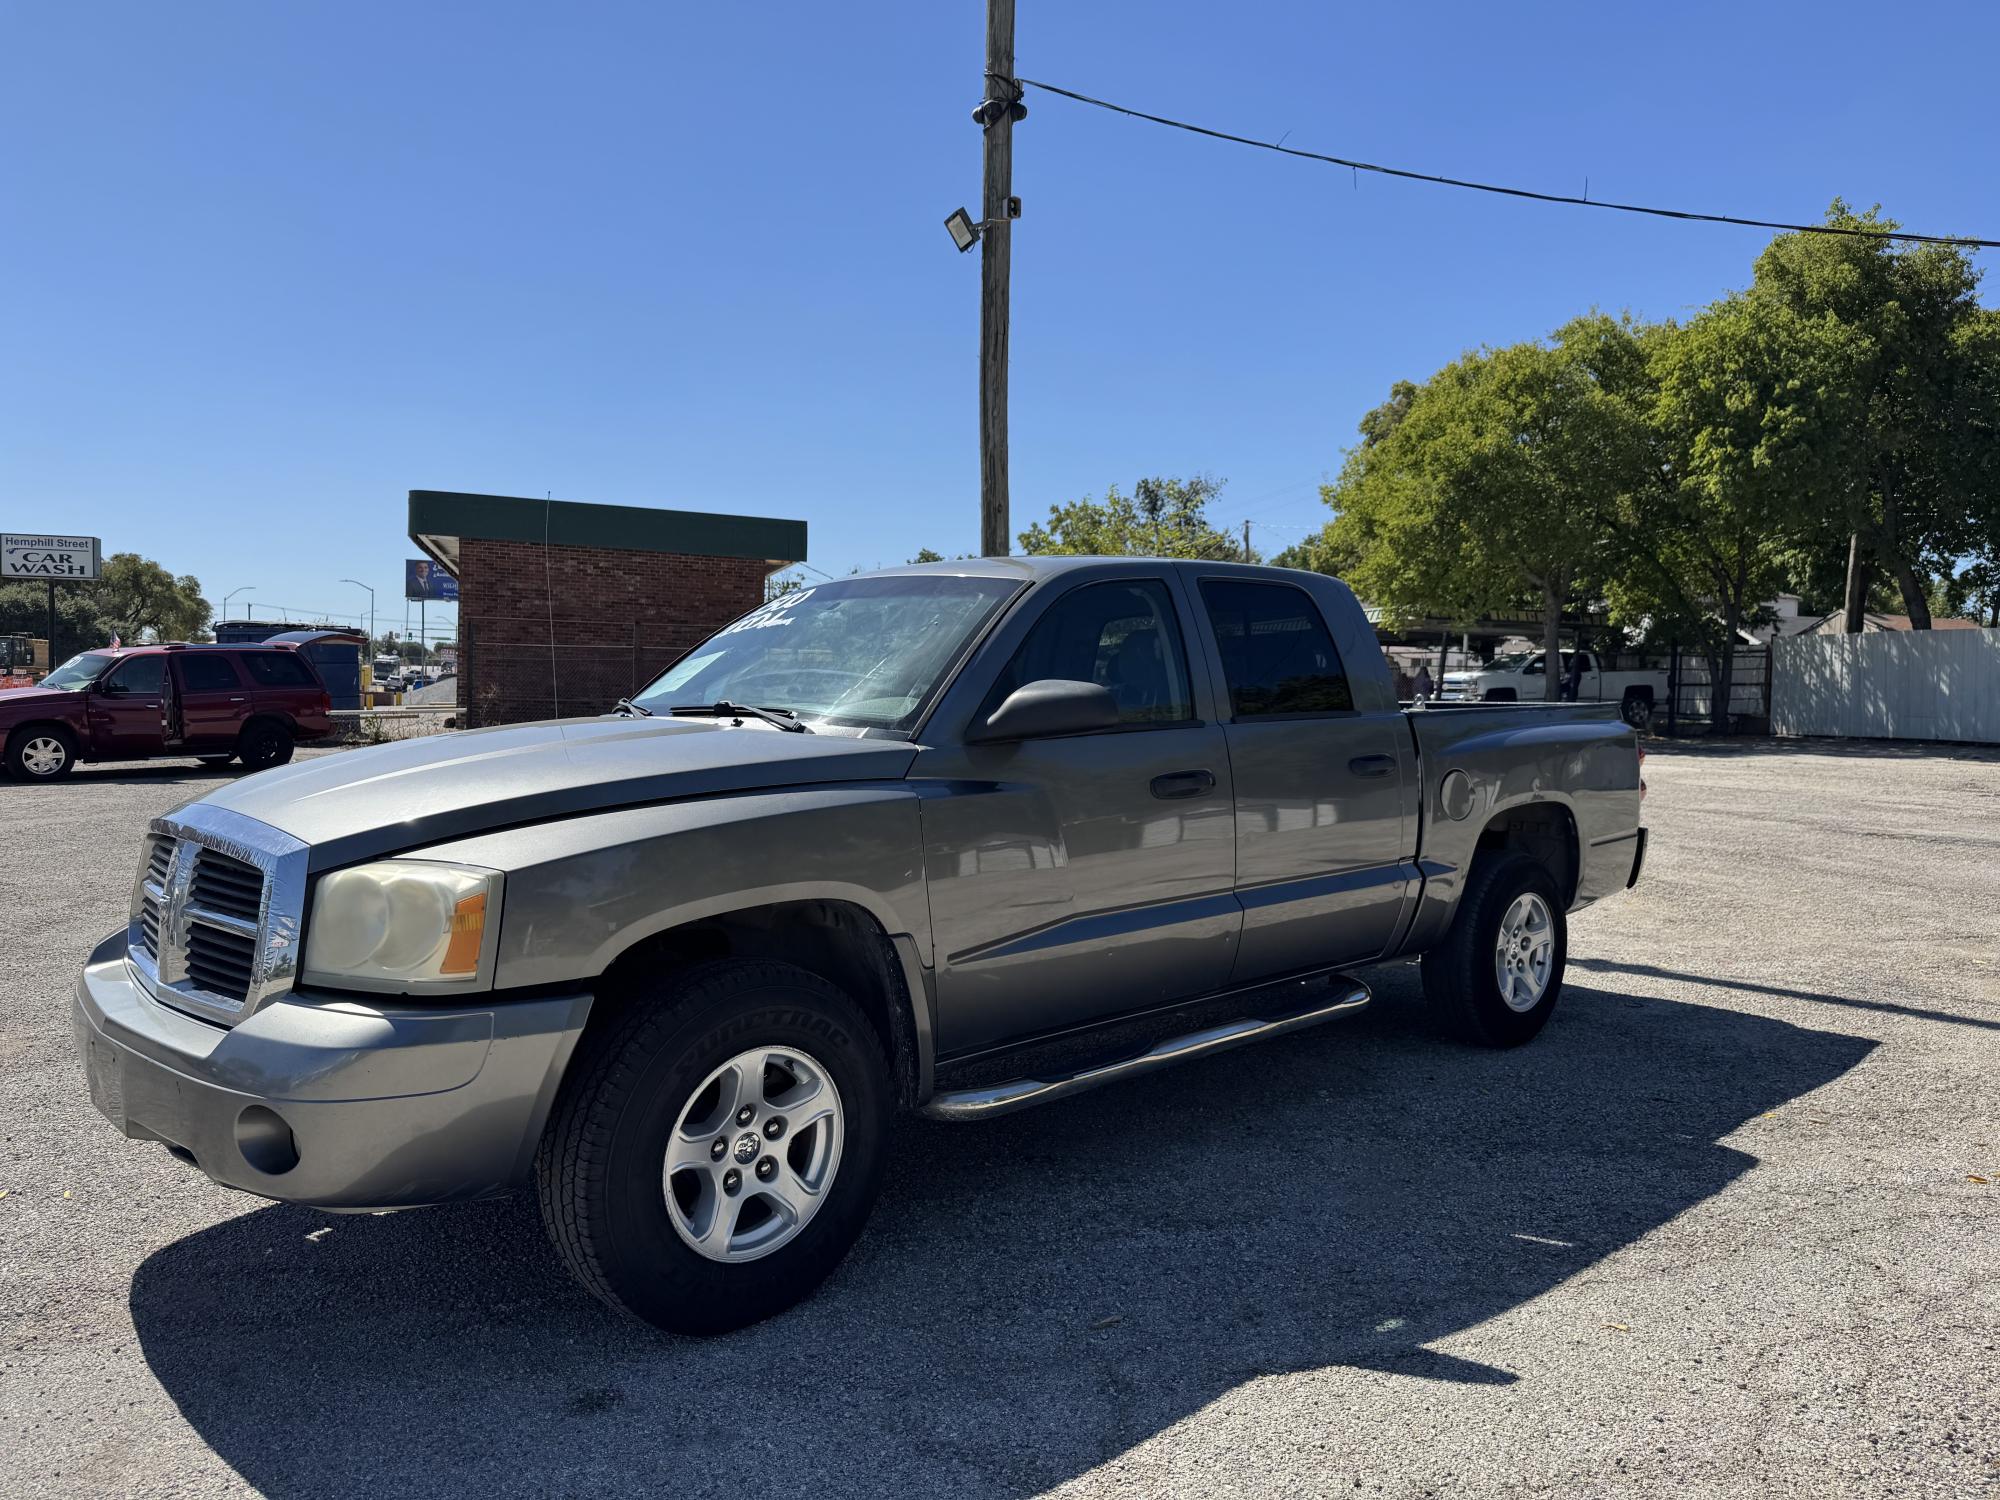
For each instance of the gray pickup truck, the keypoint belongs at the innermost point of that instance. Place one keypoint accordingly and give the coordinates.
(950, 840)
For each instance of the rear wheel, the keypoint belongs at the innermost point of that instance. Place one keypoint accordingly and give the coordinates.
(717, 1151)
(1636, 710)
(41, 752)
(263, 744)
(1496, 977)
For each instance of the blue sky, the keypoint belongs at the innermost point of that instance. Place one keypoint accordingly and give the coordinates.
(266, 268)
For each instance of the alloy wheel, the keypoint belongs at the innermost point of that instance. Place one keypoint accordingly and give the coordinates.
(1524, 952)
(753, 1154)
(44, 755)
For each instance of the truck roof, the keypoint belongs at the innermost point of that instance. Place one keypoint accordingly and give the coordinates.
(1034, 568)
(153, 647)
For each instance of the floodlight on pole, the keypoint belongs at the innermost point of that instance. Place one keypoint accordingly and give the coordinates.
(964, 233)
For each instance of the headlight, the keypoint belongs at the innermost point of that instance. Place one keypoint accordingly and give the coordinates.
(402, 923)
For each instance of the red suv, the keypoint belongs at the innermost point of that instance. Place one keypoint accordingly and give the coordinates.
(216, 703)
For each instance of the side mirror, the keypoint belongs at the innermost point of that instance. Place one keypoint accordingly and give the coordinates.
(1037, 710)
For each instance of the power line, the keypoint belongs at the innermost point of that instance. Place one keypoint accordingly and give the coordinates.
(1514, 192)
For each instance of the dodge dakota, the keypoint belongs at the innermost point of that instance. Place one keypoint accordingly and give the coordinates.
(948, 840)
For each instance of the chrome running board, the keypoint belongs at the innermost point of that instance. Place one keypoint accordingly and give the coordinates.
(1348, 995)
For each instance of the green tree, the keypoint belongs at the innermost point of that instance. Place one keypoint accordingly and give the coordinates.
(1905, 422)
(143, 600)
(1739, 453)
(80, 623)
(1496, 484)
(1161, 518)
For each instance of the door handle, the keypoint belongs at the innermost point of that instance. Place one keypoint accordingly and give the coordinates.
(1183, 784)
(1372, 765)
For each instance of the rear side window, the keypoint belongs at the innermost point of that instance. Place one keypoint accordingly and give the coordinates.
(276, 669)
(1122, 636)
(208, 674)
(1277, 654)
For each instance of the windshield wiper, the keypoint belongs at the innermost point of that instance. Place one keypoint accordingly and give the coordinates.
(783, 718)
(627, 706)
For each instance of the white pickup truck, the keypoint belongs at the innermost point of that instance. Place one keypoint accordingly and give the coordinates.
(1632, 685)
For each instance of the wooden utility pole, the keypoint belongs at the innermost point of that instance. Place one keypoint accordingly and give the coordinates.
(1001, 93)
(1246, 541)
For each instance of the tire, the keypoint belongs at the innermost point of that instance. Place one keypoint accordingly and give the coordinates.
(626, 1223)
(1500, 695)
(41, 752)
(1462, 975)
(263, 744)
(1637, 711)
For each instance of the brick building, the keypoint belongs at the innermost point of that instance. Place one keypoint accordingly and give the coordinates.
(565, 608)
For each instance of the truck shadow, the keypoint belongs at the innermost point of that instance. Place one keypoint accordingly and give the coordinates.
(1034, 1296)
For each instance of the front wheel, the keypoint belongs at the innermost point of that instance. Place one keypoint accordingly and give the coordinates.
(717, 1151)
(41, 753)
(1496, 977)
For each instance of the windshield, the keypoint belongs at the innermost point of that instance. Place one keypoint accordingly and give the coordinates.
(866, 652)
(1512, 662)
(79, 672)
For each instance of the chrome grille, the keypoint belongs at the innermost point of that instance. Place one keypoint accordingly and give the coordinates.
(228, 887)
(215, 912)
(220, 961)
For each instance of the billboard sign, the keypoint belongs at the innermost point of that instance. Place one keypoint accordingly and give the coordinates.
(424, 579)
(54, 557)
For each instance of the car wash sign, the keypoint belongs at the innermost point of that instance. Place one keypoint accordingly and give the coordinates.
(56, 558)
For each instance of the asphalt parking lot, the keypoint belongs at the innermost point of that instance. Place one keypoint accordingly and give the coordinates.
(1718, 1232)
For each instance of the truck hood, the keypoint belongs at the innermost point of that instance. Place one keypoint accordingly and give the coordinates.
(363, 803)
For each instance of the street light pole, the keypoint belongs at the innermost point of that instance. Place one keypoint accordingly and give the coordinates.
(231, 595)
(371, 611)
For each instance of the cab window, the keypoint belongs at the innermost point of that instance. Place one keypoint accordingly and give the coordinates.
(1278, 657)
(1122, 636)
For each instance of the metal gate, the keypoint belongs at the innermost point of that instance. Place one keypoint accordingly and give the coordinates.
(1691, 706)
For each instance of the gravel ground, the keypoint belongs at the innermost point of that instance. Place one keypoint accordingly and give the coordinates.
(1718, 1232)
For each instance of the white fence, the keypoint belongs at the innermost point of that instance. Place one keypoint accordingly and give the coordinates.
(1889, 684)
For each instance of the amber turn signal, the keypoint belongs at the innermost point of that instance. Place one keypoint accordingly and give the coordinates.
(468, 932)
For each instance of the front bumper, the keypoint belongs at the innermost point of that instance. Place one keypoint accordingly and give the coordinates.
(333, 1102)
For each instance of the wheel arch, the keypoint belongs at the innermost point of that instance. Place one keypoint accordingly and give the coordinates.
(1543, 828)
(77, 742)
(275, 716)
(839, 939)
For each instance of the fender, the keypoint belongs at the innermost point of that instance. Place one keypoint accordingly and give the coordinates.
(582, 890)
(1511, 766)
